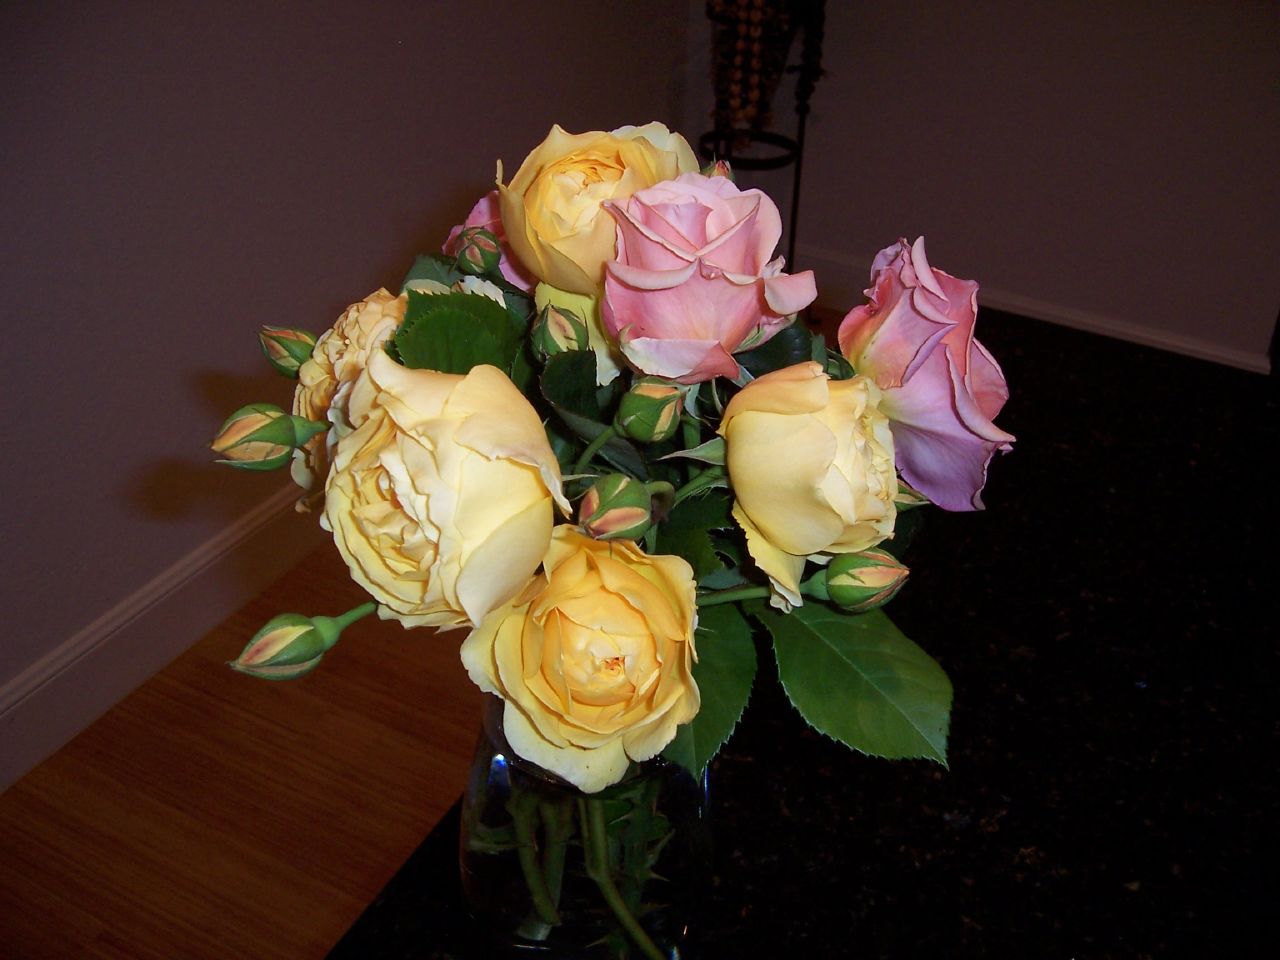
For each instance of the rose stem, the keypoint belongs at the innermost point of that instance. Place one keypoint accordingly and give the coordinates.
(729, 596)
(357, 613)
(603, 437)
(557, 826)
(523, 808)
(594, 835)
(692, 431)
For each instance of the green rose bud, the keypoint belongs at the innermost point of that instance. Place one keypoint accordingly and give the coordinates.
(478, 251)
(559, 330)
(864, 581)
(261, 436)
(907, 498)
(650, 410)
(286, 350)
(616, 508)
(288, 646)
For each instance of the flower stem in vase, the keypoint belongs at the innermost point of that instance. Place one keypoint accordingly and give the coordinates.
(557, 831)
(523, 807)
(595, 838)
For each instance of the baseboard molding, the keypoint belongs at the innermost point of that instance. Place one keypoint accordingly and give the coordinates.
(66, 690)
(842, 279)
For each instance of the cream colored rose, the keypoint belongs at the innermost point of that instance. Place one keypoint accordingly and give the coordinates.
(593, 658)
(811, 463)
(551, 209)
(440, 497)
(325, 380)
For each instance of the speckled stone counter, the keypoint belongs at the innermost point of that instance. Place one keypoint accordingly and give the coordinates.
(1108, 624)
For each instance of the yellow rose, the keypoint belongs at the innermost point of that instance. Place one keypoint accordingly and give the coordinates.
(551, 209)
(440, 497)
(324, 381)
(593, 658)
(811, 463)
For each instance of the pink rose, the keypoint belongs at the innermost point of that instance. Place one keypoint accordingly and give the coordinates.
(486, 214)
(942, 389)
(693, 282)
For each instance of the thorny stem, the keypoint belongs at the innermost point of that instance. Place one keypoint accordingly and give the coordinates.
(596, 839)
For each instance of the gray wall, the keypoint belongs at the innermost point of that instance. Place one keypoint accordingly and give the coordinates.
(1107, 165)
(176, 174)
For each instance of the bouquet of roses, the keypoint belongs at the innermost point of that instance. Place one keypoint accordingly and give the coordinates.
(592, 434)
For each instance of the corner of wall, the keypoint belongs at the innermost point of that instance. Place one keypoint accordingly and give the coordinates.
(61, 694)
(842, 277)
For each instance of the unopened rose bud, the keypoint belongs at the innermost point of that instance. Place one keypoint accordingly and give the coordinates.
(559, 330)
(288, 646)
(718, 168)
(908, 498)
(261, 436)
(478, 251)
(864, 581)
(650, 410)
(616, 508)
(286, 350)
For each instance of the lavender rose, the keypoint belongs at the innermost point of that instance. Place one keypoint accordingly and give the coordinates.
(942, 389)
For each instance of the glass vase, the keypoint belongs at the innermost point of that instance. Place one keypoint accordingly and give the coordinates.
(552, 871)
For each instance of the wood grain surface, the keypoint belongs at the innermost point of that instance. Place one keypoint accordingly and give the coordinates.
(210, 814)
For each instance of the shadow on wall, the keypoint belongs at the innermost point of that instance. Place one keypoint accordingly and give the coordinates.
(173, 488)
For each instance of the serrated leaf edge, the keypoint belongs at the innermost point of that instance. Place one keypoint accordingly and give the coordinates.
(946, 723)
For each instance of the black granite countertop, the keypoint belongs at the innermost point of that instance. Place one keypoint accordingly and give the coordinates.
(1106, 623)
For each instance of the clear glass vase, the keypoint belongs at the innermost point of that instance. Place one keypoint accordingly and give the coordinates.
(550, 870)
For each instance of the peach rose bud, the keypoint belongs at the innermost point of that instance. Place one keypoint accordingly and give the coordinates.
(286, 349)
(864, 581)
(650, 410)
(261, 436)
(616, 508)
(478, 252)
(559, 330)
(288, 646)
(718, 168)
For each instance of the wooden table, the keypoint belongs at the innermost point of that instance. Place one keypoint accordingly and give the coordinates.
(213, 815)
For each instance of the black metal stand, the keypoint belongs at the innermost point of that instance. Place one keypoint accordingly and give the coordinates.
(719, 144)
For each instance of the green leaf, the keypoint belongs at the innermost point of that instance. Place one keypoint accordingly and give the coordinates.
(723, 578)
(686, 531)
(860, 680)
(712, 451)
(433, 266)
(708, 511)
(569, 384)
(693, 545)
(725, 669)
(789, 346)
(453, 332)
(520, 313)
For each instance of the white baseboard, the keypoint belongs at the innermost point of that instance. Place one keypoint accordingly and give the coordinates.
(64, 691)
(842, 279)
